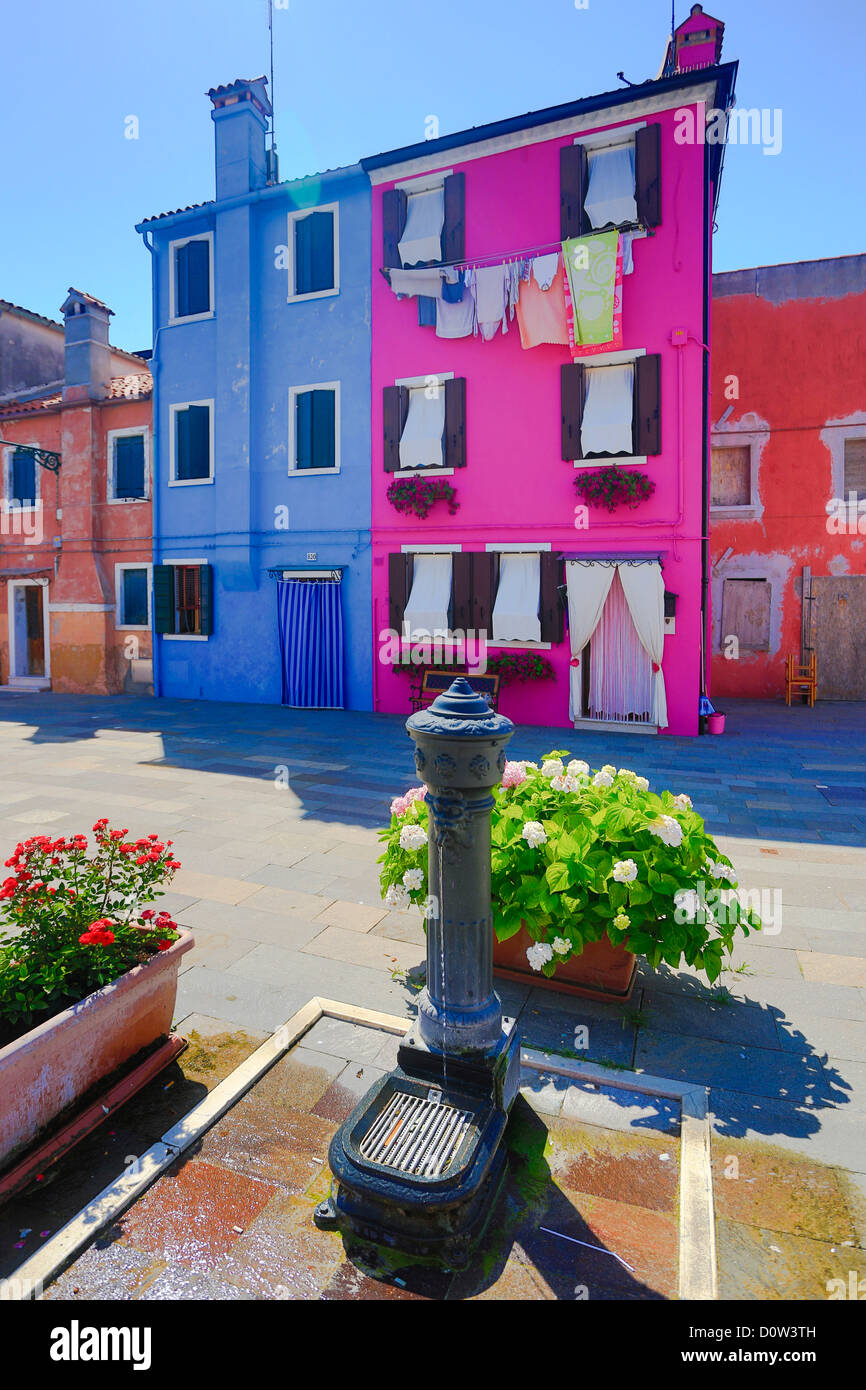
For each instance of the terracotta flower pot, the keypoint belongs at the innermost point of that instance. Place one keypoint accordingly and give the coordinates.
(48, 1069)
(601, 971)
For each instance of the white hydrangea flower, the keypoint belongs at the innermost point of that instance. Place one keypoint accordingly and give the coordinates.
(577, 768)
(565, 783)
(642, 783)
(688, 903)
(609, 769)
(668, 830)
(561, 946)
(603, 778)
(625, 871)
(621, 921)
(539, 954)
(397, 898)
(683, 802)
(552, 767)
(414, 878)
(413, 837)
(627, 773)
(534, 833)
(719, 870)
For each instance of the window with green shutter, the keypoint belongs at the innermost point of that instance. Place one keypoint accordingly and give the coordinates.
(183, 600)
(22, 479)
(315, 429)
(192, 460)
(313, 238)
(129, 478)
(192, 278)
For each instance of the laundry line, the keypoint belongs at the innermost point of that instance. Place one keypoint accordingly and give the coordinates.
(500, 257)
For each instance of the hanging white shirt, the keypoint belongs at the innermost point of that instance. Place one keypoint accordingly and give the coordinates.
(426, 613)
(610, 189)
(606, 427)
(422, 235)
(515, 612)
(421, 440)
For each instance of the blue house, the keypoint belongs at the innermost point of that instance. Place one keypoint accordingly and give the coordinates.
(261, 365)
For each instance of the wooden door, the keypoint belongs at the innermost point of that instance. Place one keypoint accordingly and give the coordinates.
(839, 635)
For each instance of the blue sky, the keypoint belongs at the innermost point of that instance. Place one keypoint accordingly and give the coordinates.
(357, 76)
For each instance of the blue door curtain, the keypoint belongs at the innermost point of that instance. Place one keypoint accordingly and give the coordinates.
(311, 643)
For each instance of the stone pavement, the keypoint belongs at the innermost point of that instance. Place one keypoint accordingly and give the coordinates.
(273, 813)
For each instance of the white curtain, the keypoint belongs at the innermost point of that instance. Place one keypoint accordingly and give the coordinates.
(422, 235)
(621, 680)
(587, 585)
(606, 427)
(610, 187)
(645, 594)
(421, 440)
(515, 612)
(426, 613)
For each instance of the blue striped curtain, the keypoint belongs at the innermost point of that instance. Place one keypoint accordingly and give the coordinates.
(311, 643)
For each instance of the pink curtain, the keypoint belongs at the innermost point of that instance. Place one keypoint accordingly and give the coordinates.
(620, 676)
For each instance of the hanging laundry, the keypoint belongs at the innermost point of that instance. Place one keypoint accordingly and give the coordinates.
(489, 286)
(541, 313)
(594, 269)
(544, 269)
(426, 281)
(626, 241)
(455, 311)
(422, 235)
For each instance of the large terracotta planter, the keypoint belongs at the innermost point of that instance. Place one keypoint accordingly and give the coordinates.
(51, 1067)
(601, 971)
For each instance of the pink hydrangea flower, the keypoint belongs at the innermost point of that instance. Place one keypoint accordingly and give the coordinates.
(514, 774)
(400, 805)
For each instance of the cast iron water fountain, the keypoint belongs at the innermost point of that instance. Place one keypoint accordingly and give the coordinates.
(418, 1163)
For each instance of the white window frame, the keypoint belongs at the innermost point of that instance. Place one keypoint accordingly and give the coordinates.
(748, 432)
(42, 584)
(613, 359)
(515, 548)
(294, 392)
(127, 433)
(414, 383)
(292, 297)
(118, 595)
(610, 140)
(184, 636)
(173, 480)
(10, 503)
(173, 317)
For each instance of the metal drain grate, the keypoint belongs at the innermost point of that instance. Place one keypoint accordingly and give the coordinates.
(416, 1135)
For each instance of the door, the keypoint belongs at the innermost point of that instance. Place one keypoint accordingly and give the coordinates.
(28, 629)
(310, 618)
(839, 635)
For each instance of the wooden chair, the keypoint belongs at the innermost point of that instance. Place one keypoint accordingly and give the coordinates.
(803, 678)
(437, 679)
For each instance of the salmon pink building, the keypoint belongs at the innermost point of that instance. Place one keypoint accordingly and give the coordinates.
(540, 340)
(788, 503)
(75, 517)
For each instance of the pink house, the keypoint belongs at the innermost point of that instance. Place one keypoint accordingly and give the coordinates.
(613, 602)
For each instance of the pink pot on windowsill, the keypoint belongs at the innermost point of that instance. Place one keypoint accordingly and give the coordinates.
(49, 1069)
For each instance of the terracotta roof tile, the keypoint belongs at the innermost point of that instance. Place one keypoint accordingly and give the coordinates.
(136, 386)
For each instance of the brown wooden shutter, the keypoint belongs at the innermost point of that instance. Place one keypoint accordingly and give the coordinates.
(855, 468)
(746, 613)
(455, 422)
(461, 590)
(647, 404)
(454, 229)
(399, 588)
(731, 477)
(482, 592)
(573, 165)
(648, 175)
(395, 407)
(550, 610)
(393, 222)
(573, 395)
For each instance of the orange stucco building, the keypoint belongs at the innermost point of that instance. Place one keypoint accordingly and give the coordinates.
(788, 505)
(75, 520)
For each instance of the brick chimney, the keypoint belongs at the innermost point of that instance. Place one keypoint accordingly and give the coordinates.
(698, 41)
(240, 115)
(87, 354)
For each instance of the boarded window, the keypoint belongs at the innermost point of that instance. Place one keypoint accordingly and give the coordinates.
(855, 468)
(732, 477)
(746, 613)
